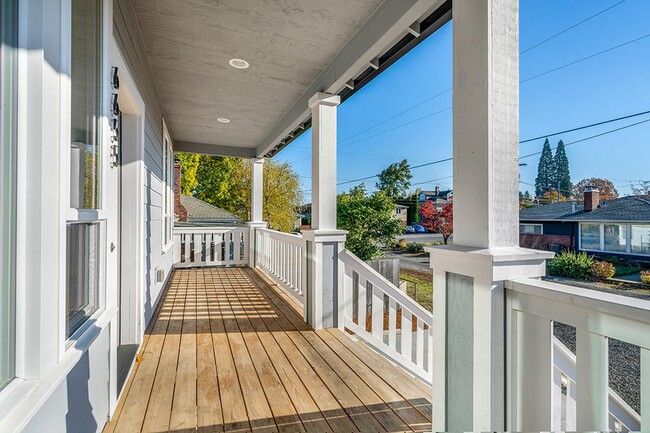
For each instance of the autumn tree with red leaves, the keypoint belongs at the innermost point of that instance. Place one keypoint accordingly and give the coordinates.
(438, 220)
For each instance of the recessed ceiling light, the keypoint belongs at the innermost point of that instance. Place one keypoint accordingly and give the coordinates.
(223, 120)
(239, 63)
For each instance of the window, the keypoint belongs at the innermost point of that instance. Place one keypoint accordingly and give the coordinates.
(590, 236)
(83, 273)
(8, 34)
(530, 229)
(640, 239)
(168, 186)
(615, 238)
(84, 232)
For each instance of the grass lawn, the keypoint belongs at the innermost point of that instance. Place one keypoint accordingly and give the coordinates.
(421, 284)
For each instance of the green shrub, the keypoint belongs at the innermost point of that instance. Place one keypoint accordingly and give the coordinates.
(414, 248)
(613, 260)
(571, 265)
(645, 277)
(602, 269)
(400, 245)
(627, 269)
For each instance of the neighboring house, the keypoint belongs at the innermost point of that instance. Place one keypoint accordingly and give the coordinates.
(400, 213)
(437, 196)
(610, 227)
(202, 213)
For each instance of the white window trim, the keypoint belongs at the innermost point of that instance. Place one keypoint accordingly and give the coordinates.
(167, 238)
(541, 228)
(73, 215)
(628, 238)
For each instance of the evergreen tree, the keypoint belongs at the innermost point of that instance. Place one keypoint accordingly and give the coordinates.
(562, 174)
(545, 171)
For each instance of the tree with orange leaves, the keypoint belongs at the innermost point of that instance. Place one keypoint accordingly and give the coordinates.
(438, 220)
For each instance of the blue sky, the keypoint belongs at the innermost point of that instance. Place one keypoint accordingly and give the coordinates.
(373, 134)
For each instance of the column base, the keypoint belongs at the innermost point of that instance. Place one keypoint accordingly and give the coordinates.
(469, 331)
(252, 247)
(324, 276)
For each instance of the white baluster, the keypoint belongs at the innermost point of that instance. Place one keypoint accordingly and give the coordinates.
(407, 334)
(377, 313)
(362, 302)
(419, 349)
(592, 381)
(392, 323)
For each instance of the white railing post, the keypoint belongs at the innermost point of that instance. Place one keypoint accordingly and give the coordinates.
(592, 382)
(534, 378)
(645, 389)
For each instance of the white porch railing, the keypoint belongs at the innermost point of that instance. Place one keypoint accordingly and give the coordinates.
(210, 246)
(283, 256)
(385, 317)
(536, 384)
(621, 416)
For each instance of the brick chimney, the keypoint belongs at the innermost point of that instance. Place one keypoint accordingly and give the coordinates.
(179, 209)
(592, 199)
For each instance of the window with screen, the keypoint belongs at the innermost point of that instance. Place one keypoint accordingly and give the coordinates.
(84, 233)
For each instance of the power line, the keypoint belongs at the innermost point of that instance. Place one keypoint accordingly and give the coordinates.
(448, 108)
(537, 138)
(591, 137)
(396, 127)
(584, 58)
(411, 168)
(396, 115)
(604, 122)
(432, 180)
(571, 28)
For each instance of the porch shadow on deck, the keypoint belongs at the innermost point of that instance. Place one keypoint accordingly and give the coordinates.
(229, 351)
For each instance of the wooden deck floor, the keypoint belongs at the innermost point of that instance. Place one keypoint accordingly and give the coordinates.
(228, 351)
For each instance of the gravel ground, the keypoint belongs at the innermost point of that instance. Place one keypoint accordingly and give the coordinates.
(624, 358)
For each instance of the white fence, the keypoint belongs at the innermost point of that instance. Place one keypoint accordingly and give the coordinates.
(210, 246)
(385, 317)
(540, 365)
(283, 257)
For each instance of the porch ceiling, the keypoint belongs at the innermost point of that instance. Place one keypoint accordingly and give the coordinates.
(289, 45)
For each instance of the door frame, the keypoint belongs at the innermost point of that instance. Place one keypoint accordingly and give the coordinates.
(129, 325)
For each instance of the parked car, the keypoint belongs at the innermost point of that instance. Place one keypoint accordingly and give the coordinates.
(409, 230)
(419, 228)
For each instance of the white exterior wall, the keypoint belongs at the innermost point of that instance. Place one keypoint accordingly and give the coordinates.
(62, 386)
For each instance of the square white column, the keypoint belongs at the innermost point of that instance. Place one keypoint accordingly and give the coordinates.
(324, 241)
(469, 380)
(323, 165)
(257, 190)
(257, 203)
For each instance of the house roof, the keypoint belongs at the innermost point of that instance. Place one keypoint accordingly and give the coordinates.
(621, 209)
(198, 210)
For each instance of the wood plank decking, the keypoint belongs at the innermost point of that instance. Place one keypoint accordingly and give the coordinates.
(228, 351)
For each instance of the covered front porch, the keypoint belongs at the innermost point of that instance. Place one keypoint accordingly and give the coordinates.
(228, 350)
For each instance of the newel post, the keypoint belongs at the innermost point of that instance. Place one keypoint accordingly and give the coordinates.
(324, 240)
(469, 378)
(257, 203)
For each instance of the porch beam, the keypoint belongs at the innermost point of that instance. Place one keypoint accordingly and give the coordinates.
(213, 149)
(385, 27)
